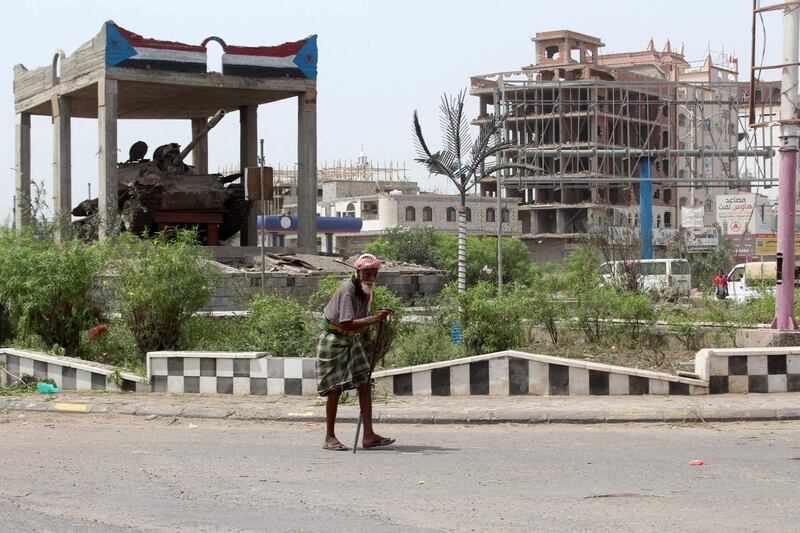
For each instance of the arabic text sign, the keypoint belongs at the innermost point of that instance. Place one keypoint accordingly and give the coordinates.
(734, 212)
(692, 217)
(767, 243)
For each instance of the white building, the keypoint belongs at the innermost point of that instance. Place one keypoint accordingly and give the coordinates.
(383, 205)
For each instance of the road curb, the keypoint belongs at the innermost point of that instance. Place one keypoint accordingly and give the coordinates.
(436, 417)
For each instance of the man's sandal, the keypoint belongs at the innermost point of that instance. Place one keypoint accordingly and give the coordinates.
(383, 441)
(334, 445)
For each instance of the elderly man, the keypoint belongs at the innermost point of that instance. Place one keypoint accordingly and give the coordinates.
(341, 361)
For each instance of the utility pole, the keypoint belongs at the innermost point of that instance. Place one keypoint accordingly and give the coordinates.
(499, 214)
(787, 186)
(262, 233)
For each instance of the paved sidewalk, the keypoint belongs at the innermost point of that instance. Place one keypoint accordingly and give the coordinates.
(429, 410)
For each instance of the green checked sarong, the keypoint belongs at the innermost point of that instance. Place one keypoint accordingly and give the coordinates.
(341, 363)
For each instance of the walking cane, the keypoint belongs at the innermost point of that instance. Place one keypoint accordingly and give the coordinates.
(372, 363)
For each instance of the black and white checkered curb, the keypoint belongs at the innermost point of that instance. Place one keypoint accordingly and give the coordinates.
(749, 370)
(237, 373)
(519, 373)
(68, 373)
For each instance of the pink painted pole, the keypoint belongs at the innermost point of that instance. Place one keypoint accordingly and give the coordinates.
(787, 187)
(787, 190)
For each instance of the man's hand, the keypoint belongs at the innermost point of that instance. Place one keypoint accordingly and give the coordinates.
(382, 315)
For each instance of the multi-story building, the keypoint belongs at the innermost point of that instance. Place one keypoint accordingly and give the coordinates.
(588, 125)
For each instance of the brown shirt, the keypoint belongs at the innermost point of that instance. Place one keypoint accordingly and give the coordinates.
(347, 303)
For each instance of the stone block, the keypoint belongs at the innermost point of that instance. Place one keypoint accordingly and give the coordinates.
(578, 381)
(459, 380)
(421, 383)
(498, 377)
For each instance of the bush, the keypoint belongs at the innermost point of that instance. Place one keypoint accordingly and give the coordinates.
(758, 310)
(490, 323)
(547, 308)
(636, 310)
(423, 344)
(423, 246)
(114, 345)
(161, 283)
(212, 334)
(49, 289)
(686, 331)
(277, 324)
(415, 245)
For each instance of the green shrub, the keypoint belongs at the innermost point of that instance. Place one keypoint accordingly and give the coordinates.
(424, 246)
(636, 311)
(161, 283)
(686, 331)
(490, 323)
(758, 310)
(546, 306)
(115, 346)
(277, 324)
(215, 334)
(49, 289)
(412, 245)
(423, 344)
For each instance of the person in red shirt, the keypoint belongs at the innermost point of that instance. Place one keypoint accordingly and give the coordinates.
(721, 285)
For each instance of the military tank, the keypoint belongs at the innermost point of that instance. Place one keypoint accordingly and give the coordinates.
(165, 184)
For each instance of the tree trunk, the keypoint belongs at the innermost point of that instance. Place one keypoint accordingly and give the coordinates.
(462, 246)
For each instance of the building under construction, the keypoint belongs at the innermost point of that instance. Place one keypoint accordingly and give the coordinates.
(590, 126)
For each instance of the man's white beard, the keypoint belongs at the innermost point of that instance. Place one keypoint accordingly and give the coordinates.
(367, 287)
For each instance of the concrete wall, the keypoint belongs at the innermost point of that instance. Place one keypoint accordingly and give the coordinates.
(749, 370)
(237, 289)
(238, 373)
(68, 373)
(519, 373)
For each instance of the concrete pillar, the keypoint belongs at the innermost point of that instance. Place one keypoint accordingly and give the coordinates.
(307, 172)
(200, 151)
(248, 157)
(561, 221)
(107, 99)
(62, 158)
(22, 209)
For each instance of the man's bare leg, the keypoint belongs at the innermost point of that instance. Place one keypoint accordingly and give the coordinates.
(331, 408)
(365, 403)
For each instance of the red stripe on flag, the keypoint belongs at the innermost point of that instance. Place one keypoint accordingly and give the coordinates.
(282, 50)
(137, 41)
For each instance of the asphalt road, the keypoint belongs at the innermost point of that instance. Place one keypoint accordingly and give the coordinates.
(121, 473)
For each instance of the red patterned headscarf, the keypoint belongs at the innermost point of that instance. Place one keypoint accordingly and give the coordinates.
(367, 262)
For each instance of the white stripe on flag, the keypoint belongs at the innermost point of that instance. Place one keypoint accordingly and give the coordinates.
(259, 61)
(157, 54)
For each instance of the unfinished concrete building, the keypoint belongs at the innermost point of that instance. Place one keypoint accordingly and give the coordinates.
(121, 75)
(570, 110)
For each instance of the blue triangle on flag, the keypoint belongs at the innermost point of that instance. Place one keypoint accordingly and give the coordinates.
(117, 47)
(306, 58)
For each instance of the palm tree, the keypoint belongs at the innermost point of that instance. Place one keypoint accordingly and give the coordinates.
(462, 160)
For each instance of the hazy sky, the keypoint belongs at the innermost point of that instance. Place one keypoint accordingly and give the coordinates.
(378, 61)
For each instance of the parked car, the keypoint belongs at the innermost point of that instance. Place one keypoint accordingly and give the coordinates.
(670, 277)
(753, 280)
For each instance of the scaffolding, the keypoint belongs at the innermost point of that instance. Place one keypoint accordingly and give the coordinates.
(342, 170)
(584, 141)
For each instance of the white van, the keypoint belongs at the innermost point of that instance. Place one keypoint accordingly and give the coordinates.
(753, 280)
(668, 276)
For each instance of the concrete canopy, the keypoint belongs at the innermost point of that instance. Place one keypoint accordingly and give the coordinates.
(170, 81)
(122, 75)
